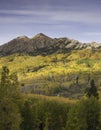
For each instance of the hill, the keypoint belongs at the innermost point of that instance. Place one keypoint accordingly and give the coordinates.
(53, 67)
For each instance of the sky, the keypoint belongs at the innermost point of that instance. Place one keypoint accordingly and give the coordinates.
(75, 19)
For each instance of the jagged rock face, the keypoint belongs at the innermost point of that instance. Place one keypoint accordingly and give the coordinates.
(43, 45)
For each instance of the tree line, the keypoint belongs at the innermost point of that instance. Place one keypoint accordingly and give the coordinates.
(29, 113)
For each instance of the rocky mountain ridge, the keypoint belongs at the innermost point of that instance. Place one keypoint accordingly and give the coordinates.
(44, 45)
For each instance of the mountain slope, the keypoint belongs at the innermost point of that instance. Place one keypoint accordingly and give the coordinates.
(43, 45)
(62, 74)
(59, 66)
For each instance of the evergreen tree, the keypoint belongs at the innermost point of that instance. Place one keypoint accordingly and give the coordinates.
(92, 91)
(28, 118)
(10, 117)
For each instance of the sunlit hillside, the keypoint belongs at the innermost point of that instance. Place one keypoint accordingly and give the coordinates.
(64, 74)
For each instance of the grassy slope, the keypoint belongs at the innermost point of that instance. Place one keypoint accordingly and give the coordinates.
(57, 74)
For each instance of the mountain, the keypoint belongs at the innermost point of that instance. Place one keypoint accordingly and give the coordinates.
(67, 72)
(43, 45)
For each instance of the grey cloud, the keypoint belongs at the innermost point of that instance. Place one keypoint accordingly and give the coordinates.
(51, 16)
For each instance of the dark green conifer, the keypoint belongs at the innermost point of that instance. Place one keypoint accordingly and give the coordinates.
(10, 117)
(92, 91)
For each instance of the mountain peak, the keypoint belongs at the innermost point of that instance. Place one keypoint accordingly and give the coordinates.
(22, 37)
(40, 35)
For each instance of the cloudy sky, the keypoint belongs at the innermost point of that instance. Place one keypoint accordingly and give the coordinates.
(77, 19)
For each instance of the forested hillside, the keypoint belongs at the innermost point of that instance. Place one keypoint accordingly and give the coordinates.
(33, 112)
(59, 90)
(64, 74)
